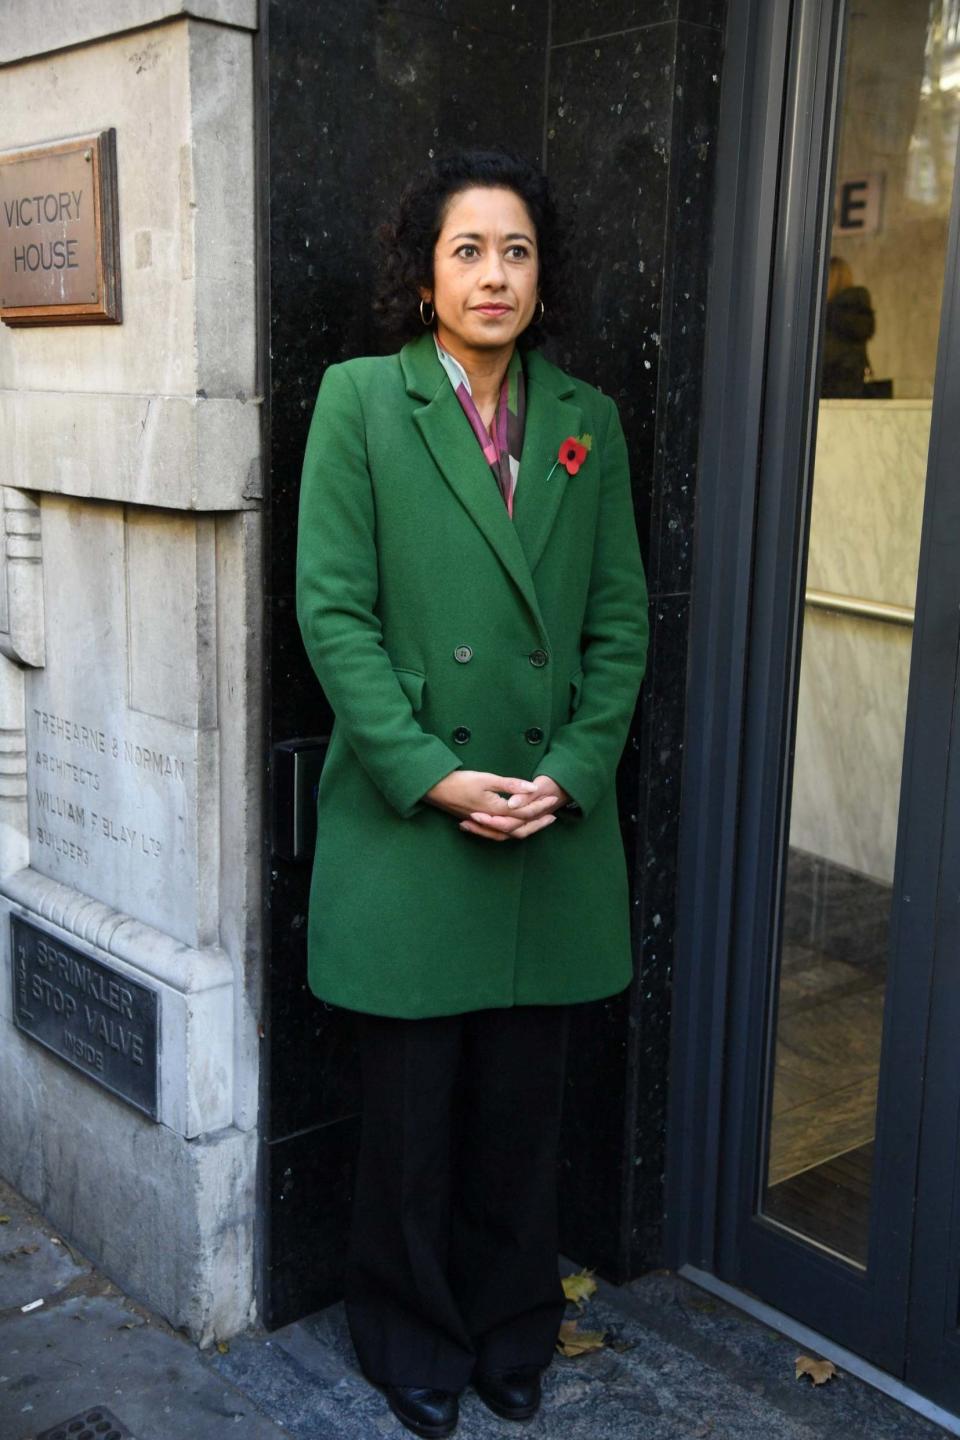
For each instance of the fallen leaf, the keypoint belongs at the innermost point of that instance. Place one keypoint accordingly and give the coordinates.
(20, 1250)
(574, 1341)
(223, 1347)
(579, 1287)
(818, 1370)
(4, 1219)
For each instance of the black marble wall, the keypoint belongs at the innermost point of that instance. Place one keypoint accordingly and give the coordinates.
(631, 106)
(619, 98)
(357, 93)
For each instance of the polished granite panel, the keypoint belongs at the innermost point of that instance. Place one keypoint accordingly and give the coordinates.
(648, 100)
(359, 95)
(389, 65)
(299, 705)
(615, 99)
(506, 18)
(577, 20)
(356, 106)
(644, 105)
(591, 1146)
(309, 1183)
(682, 329)
(574, 21)
(703, 12)
(312, 1050)
(311, 1058)
(655, 919)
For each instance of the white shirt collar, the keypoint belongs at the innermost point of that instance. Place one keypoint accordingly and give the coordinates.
(456, 372)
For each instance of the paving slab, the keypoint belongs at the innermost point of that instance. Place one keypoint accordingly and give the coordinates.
(33, 1263)
(88, 1344)
(93, 1349)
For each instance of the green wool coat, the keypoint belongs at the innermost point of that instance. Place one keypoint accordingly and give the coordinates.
(445, 634)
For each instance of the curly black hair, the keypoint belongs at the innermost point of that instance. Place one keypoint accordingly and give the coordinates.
(408, 240)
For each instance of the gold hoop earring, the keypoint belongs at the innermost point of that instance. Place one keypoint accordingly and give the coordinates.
(427, 319)
(539, 318)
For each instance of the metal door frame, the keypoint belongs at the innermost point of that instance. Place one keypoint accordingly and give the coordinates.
(933, 861)
(771, 242)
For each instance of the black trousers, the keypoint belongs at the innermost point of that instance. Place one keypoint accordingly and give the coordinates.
(452, 1258)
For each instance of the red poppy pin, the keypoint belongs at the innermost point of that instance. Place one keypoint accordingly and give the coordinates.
(572, 453)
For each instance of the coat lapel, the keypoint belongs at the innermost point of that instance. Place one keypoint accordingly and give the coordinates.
(550, 419)
(520, 542)
(453, 445)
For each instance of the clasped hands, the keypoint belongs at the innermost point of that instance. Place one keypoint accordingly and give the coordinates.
(474, 795)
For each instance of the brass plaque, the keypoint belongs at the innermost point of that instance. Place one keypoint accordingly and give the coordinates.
(59, 250)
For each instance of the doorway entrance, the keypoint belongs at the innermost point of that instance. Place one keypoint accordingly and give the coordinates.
(619, 103)
(816, 1093)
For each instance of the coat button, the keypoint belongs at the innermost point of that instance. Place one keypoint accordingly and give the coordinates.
(538, 657)
(461, 735)
(463, 653)
(534, 735)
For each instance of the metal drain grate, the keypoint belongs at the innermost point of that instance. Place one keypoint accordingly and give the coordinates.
(94, 1423)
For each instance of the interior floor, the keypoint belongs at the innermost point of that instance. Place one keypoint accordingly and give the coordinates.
(832, 984)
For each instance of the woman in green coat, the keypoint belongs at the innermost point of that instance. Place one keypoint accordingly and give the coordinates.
(472, 599)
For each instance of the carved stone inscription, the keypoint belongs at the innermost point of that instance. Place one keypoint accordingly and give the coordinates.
(113, 809)
(87, 1012)
(74, 815)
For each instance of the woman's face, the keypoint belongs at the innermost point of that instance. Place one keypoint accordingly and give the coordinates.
(485, 270)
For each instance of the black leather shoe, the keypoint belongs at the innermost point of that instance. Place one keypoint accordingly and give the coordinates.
(511, 1394)
(430, 1413)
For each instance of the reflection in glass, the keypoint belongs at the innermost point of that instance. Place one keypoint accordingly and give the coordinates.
(895, 173)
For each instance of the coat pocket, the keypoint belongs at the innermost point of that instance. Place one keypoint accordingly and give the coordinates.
(576, 681)
(411, 683)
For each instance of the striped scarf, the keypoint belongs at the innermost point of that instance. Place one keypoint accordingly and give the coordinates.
(503, 442)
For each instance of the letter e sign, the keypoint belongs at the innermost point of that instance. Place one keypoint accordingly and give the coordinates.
(858, 204)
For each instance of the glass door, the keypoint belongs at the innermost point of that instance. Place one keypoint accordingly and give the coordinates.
(880, 311)
(842, 908)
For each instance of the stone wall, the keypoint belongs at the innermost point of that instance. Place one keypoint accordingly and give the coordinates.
(129, 676)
